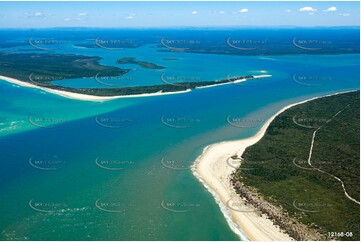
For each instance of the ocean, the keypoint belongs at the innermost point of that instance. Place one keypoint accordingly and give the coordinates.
(120, 170)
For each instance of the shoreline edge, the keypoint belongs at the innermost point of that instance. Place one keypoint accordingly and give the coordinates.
(212, 170)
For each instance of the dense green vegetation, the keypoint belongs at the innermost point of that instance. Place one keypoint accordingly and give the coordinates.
(144, 64)
(281, 173)
(42, 69)
(48, 67)
(175, 87)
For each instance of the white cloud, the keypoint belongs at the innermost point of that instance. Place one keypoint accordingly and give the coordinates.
(344, 14)
(288, 10)
(221, 12)
(82, 14)
(330, 9)
(34, 15)
(194, 12)
(67, 19)
(243, 10)
(308, 9)
(130, 16)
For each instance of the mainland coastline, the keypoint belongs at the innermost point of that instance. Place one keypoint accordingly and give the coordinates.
(213, 170)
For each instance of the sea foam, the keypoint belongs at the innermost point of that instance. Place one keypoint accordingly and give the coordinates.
(224, 209)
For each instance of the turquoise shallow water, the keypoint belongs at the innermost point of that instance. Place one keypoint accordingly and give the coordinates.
(101, 170)
(213, 67)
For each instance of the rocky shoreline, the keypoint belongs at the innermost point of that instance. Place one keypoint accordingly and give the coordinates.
(277, 214)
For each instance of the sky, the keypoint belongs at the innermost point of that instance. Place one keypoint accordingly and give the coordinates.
(177, 14)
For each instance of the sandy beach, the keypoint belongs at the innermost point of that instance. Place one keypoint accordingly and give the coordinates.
(84, 97)
(213, 170)
(236, 81)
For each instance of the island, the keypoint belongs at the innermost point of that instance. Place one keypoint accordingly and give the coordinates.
(19, 69)
(53, 67)
(144, 64)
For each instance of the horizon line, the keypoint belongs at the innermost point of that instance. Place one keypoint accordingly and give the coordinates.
(182, 27)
